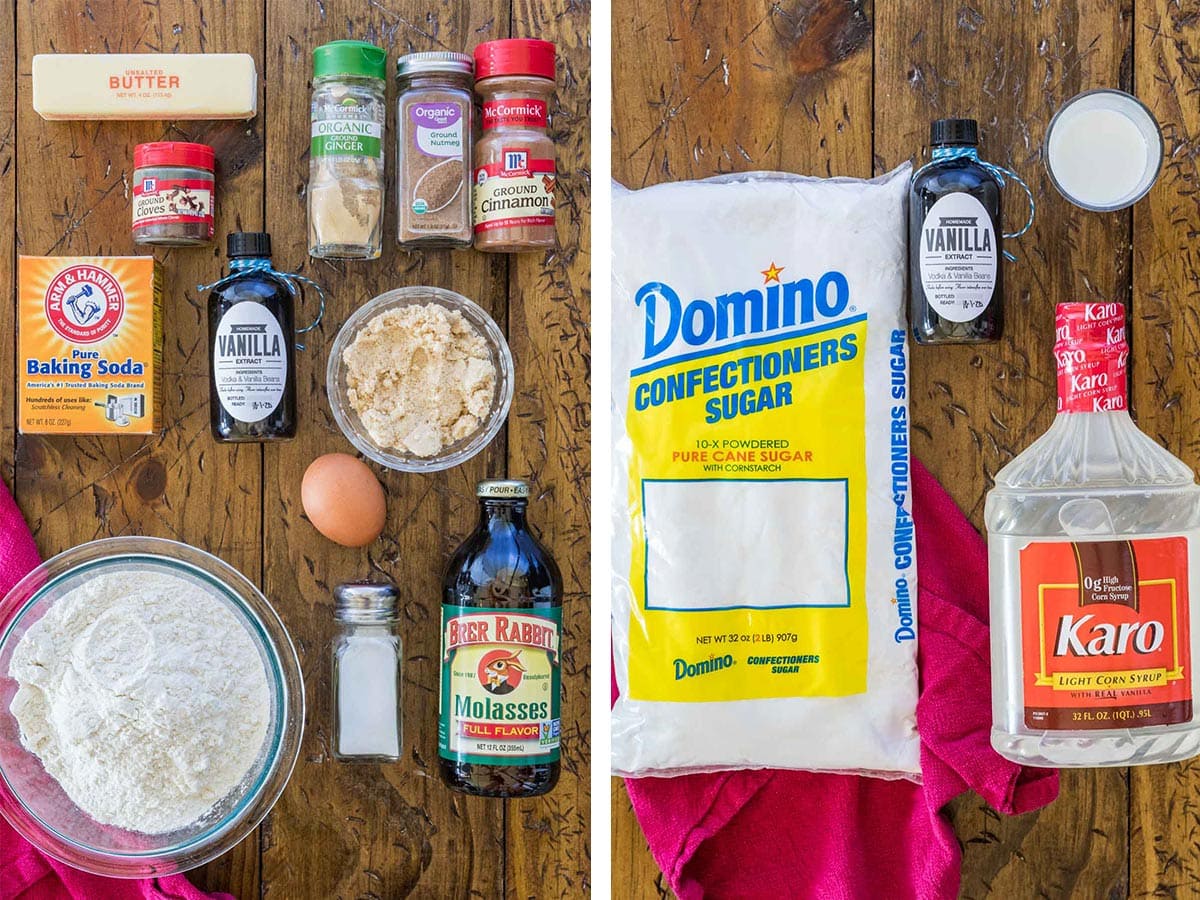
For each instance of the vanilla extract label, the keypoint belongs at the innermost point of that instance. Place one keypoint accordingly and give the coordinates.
(249, 362)
(959, 256)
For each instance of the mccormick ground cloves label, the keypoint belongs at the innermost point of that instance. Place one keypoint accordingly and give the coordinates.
(173, 201)
(1105, 634)
(499, 700)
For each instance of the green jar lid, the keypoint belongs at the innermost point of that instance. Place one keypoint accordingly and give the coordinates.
(350, 58)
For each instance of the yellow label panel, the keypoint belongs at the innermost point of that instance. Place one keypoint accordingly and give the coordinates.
(735, 448)
(89, 345)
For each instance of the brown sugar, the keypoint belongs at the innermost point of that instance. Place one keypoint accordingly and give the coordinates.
(420, 378)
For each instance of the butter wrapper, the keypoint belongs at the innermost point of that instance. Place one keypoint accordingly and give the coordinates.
(166, 86)
(89, 345)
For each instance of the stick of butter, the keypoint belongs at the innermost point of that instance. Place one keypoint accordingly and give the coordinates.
(145, 86)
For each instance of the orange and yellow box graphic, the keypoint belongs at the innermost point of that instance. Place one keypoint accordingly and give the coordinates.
(89, 348)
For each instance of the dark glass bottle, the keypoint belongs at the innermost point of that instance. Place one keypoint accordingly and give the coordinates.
(499, 721)
(956, 284)
(252, 347)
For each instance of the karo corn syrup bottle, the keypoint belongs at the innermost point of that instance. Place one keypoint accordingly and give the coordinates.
(1093, 535)
(498, 715)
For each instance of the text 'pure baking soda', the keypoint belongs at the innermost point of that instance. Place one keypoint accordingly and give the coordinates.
(89, 345)
(765, 579)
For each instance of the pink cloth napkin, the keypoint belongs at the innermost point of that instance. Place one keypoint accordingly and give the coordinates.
(25, 873)
(841, 837)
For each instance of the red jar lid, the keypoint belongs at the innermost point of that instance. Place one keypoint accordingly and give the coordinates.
(514, 56)
(173, 153)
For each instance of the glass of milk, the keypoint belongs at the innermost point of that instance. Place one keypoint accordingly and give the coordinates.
(1103, 149)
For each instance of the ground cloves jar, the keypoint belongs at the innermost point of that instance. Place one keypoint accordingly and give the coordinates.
(173, 191)
(433, 149)
(514, 158)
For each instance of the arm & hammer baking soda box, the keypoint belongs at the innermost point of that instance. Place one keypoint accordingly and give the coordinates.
(89, 347)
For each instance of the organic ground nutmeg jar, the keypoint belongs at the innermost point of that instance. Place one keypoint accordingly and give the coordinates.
(514, 157)
(173, 190)
(433, 149)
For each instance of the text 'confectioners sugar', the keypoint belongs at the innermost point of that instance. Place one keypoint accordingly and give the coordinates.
(764, 609)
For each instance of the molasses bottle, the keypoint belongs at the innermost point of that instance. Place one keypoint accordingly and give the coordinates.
(498, 722)
(955, 277)
(251, 324)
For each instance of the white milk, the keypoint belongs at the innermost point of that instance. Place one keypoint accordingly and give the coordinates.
(1099, 155)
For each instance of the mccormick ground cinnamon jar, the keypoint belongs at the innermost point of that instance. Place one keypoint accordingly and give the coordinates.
(173, 190)
(514, 158)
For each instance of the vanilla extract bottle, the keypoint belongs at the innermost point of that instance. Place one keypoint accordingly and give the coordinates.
(1093, 536)
(499, 719)
(956, 283)
(252, 355)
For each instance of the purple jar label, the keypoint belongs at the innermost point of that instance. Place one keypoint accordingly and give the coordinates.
(437, 128)
(435, 115)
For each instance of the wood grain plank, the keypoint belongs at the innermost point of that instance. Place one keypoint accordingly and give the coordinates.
(548, 443)
(1164, 821)
(974, 408)
(635, 874)
(343, 830)
(72, 181)
(706, 88)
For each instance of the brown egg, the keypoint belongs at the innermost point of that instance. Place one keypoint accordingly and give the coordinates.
(343, 499)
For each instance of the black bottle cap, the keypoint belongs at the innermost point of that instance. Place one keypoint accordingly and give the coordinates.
(949, 132)
(248, 244)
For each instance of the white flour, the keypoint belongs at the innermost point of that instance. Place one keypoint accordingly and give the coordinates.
(764, 595)
(144, 697)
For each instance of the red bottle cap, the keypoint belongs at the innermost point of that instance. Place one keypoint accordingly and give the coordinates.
(1092, 356)
(173, 153)
(514, 56)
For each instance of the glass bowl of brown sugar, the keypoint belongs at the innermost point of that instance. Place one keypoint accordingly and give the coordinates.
(420, 379)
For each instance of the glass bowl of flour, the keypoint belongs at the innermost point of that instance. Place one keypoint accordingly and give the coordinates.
(151, 707)
(420, 379)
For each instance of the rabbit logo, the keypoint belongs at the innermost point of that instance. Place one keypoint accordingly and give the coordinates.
(500, 671)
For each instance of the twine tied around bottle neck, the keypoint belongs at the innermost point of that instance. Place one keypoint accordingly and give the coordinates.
(1000, 173)
(293, 280)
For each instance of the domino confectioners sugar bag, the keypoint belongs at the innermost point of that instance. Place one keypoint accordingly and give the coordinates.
(764, 609)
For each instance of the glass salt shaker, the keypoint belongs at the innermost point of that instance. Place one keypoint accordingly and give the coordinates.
(366, 673)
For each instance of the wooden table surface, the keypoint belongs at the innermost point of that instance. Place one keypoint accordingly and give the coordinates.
(339, 830)
(830, 87)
